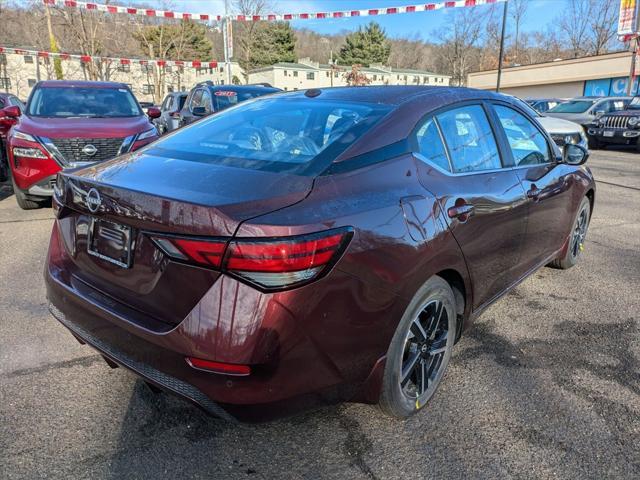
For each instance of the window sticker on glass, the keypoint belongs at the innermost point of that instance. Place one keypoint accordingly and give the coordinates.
(225, 93)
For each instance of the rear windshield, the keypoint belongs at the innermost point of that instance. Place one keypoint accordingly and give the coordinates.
(68, 102)
(573, 106)
(223, 99)
(300, 136)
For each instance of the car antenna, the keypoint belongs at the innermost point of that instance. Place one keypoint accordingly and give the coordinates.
(312, 92)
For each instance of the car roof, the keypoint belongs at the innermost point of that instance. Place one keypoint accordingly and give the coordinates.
(243, 88)
(391, 94)
(619, 97)
(80, 83)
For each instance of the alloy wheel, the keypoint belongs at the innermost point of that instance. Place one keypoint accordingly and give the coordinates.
(424, 350)
(579, 233)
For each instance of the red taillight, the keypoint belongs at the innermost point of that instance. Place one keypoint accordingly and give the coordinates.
(218, 367)
(270, 264)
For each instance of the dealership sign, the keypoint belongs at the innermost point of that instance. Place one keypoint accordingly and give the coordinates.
(628, 19)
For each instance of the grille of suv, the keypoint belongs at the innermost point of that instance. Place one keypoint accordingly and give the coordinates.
(71, 148)
(616, 121)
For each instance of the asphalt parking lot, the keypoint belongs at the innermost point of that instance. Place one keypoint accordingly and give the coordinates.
(545, 385)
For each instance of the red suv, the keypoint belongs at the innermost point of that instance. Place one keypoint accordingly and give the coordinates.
(67, 124)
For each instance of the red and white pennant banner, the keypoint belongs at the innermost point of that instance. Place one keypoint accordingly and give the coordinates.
(119, 61)
(149, 12)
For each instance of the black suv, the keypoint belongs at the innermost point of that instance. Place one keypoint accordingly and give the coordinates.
(616, 128)
(206, 98)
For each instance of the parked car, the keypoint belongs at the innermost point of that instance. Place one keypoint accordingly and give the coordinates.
(170, 108)
(67, 124)
(584, 110)
(6, 122)
(147, 105)
(543, 105)
(617, 128)
(314, 246)
(207, 98)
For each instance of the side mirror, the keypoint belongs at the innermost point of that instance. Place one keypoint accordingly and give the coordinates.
(153, 112)
(12, 112)
(573, 154)
(199, 111)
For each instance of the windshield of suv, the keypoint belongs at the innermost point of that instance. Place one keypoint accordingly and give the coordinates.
(634, 104)
(66, 102)
(572, 106)
(223, 99)
(273, 134)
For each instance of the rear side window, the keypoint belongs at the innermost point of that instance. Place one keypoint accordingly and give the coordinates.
(430, 144)
(195, 99)
(470, 141)
(274, 134)
(205, 101)
(528, 145)
(166, 105)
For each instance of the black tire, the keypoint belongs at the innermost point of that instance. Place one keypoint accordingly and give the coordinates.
(594, 143)
(638, 146)
(4, 164)
(401, 394)
(576, 240)
(23, 202)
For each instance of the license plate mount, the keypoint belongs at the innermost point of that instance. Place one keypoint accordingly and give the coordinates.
(608, 133)
(110, 242)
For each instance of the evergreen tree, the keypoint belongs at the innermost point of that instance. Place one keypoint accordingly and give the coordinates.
(365, 46)
(271, 43)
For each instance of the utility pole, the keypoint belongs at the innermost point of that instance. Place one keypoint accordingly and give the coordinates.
(227, 38)
(633, 44)
(504, 24)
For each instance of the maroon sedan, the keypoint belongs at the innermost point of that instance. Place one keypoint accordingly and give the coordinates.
(313, 247)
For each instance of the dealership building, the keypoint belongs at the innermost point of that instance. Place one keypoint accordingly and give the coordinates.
(598, 75)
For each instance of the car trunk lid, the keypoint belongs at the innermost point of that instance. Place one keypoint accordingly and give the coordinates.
(166, 197)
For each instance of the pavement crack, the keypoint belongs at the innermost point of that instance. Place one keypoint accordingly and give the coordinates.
(26, 220)
(82, 361)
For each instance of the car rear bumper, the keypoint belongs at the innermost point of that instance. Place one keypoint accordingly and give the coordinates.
(150, 374)
(292, 369)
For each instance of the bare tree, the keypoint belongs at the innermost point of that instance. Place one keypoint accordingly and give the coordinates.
(459, 51)
(245, 32)
(517, 10)
(602, 25)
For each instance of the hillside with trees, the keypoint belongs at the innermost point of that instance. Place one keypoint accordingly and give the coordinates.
(468, 43)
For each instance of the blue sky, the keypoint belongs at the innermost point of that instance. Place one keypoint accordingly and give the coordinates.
(539, 14)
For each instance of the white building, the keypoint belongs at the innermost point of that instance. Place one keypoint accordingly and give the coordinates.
(19, 73)
(308, 74)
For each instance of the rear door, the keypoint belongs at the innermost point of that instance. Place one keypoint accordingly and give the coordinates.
(479, 193)
(545, 182)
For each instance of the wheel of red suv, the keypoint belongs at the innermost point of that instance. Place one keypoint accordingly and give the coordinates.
(420, 350)
(578, 234)
(23, 202)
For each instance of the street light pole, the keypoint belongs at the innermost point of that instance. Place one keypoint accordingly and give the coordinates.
(504, 24)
